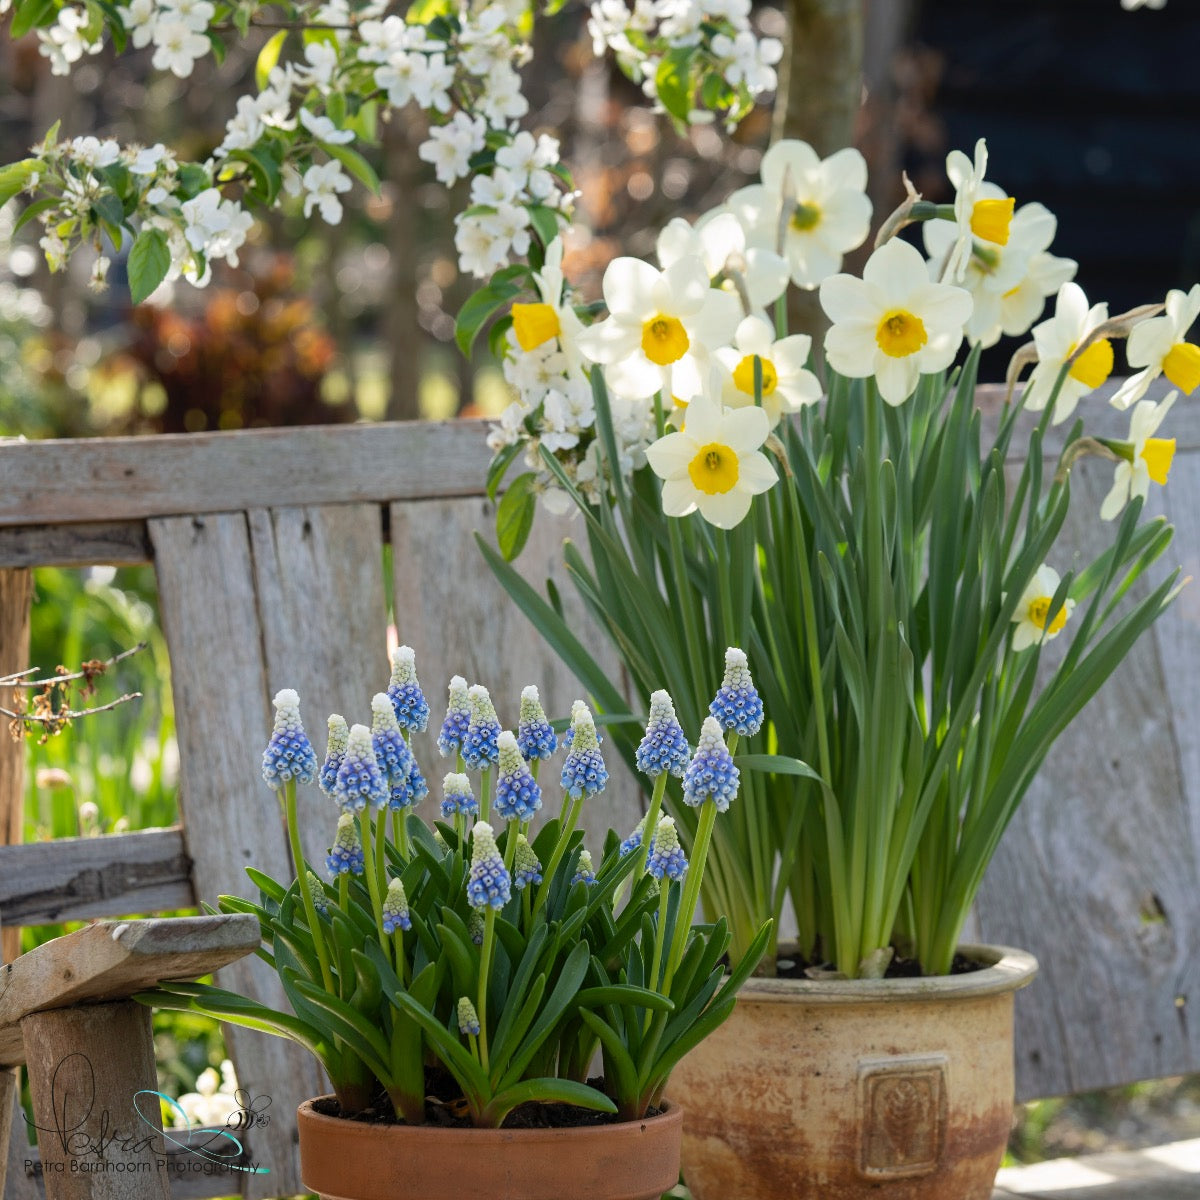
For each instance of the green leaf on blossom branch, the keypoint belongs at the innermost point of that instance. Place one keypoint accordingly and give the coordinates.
(14, 177)
(34, 211)
(479, 307)
(545, 222)
(514, 517)
(32, 14)
(149, 262)
(268, 57)
(355, 164)
(193, 179)
(673, 81)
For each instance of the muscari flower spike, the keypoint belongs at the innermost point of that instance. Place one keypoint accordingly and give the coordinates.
(664, 748)
(489, 882)
(584, 871)
(468, 1018)
(346, 853)
(526, 868)
(737, 704)
(534, 736)
(359, 781)
(335, 751)
(317, 892)
(518, 796)
(458, 718)
(395, 908)
(457, 796)
(584, 772)
(711, 775)
(479, 748)
(391, 750)
(666, 855)
(634, 840)
(412, 709)
(289, 754)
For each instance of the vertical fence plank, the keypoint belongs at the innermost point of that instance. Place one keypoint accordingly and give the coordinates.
(211, 620)
(318, 573)
(16, 587)
(1097, 876)
(450, 608)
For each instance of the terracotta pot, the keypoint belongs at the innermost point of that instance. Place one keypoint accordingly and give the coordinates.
(350, 1160)
(895, 1089)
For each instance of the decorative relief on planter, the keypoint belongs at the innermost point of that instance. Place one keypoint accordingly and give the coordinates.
(901, 1115)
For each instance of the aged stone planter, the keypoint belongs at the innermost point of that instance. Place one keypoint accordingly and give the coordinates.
(897, 1089)
(350, 1160)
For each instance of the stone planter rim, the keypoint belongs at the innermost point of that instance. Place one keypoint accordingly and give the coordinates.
(1007, 969)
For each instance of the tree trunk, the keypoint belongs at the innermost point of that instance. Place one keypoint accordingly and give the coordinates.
(401, 332)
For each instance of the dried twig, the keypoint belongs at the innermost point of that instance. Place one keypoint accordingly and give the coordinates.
(89, 670)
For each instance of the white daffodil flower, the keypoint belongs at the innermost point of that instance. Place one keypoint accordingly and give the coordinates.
(1159, 347)
(1032, 618)
(1008, 284)
(720, 240)
(660, 328)
(1149, 457)
(978, 213)
(787, 384)
(894, 323)
(1056, 340)
(552, 317)
(827, 210)
(714, 464)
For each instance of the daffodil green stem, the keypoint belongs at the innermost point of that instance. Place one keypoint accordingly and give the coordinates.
(310, 909)
(556, 855)
(364, 821)
(648, 830)
(485, 969)
(691, 892)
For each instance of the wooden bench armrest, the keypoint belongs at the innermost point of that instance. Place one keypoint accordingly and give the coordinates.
(112, 960)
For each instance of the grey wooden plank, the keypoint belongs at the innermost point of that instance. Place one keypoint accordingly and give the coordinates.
(460, 621)
(119, 543)
(1097, 876)
(112, 479)
(318, 573)
(20, 1183)
(211, 620)
(75, 879)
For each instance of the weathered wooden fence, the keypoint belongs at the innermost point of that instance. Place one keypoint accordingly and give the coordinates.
(268, 548)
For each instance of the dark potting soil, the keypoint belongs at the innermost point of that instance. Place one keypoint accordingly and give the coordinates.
(445, 1107)
(899, 968)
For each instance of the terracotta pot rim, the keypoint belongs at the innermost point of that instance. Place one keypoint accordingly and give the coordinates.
(1006, 969)
(672, 1114)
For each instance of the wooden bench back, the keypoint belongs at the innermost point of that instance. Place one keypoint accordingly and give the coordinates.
(269, 548)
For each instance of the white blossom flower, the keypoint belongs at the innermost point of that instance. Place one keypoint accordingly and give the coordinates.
(566, 413)
(511, 427)
(527, 160)
(749, 60)
(66, 41)
(147, 160)
(92, 152)
(1032, 616)
(196, 14)
(977, 214)
(139, 19)
(1144, 457)
(431, 86)
(99, 277)
(812, 210)
(660, 324)
(55, 250)
(894, 323)
(322, 59)
(324, 130)
(322, 185)
(450, 146)
(1160, 347)
(1056, 340)
(714, 463)
(214, 226)
(501, 100)
(787, 384)
(496, 188)
(482, 249)
(177, 46)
